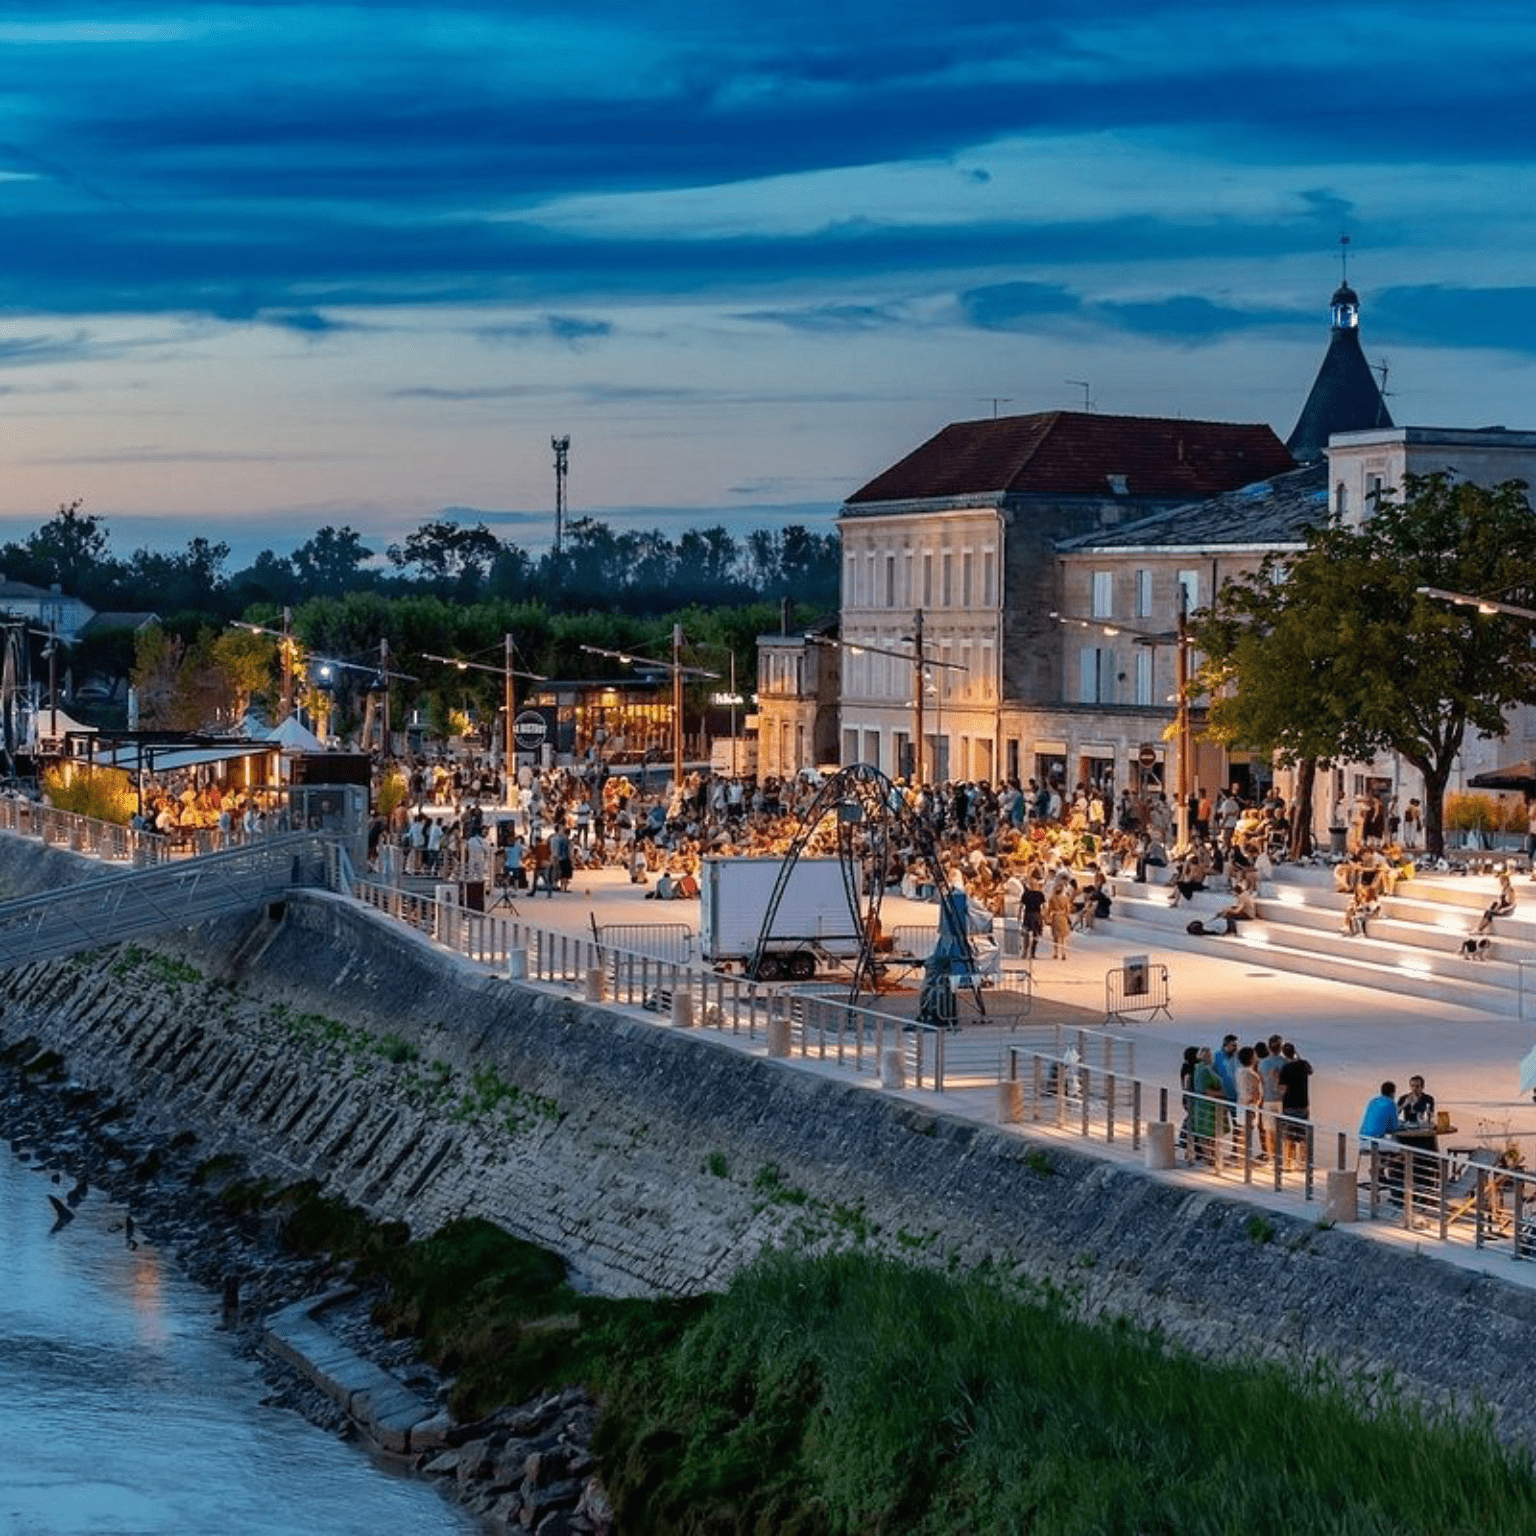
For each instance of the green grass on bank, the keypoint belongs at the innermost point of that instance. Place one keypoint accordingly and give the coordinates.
(851, 1394)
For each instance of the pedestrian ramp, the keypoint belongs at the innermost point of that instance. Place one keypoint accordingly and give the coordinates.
(138, 903)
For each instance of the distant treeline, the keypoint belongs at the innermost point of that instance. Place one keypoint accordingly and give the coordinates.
(449, 590)
(596, 569)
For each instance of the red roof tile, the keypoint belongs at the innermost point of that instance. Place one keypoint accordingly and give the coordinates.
(1075, 453)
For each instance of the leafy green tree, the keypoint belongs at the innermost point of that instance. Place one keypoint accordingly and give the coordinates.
(448, 554)
(69, 547)
(1335, 653)
(193, 580)
(330, 564)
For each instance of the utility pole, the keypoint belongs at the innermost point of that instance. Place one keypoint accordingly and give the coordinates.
(510, 748)
(919, 683)
(562, 447)
(384, 744)
(287, 644)
(677, 706)
(1182, 675)
(735, 763)
(53, 682)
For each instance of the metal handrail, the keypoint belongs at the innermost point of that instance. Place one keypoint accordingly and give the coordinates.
(1438, 1195)
(137, 902)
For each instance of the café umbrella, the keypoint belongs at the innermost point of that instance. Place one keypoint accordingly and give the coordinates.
(1521, 776)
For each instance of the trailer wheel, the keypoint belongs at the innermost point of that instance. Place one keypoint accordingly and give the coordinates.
(802, 965)
(769, 968)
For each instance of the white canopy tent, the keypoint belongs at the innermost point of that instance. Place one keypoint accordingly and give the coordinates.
(294, 736)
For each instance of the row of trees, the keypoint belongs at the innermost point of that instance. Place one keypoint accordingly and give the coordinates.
(187, 681)
(638, 573)
(1336, 653)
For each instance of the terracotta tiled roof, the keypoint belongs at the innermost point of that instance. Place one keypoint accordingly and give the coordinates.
(1077, 453)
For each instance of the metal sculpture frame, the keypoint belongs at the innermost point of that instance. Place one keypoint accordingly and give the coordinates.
(869, 807)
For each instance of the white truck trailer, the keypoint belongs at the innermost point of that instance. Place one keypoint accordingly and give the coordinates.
(814, 928)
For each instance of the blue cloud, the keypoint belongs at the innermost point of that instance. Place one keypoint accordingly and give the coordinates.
(572, 330)
(1501, 319)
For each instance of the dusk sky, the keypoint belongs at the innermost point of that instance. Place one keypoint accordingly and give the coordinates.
(276, 266)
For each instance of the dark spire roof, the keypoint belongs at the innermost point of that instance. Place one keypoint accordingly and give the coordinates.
(1345, 396)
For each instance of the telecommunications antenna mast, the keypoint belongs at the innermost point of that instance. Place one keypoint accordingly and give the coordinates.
(562, 447)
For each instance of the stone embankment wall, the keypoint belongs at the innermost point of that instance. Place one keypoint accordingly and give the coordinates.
(317, 1040)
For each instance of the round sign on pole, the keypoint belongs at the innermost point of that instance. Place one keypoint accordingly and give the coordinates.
(1147, 757)
(529, 730)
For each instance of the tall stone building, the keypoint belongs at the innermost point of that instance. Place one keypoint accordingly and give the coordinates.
(951, 584)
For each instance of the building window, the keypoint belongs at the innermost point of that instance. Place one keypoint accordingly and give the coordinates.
(906, 579)
(1340, 500)
(989, 578)
(1189, 590)
(947, 599)
(1143, 594)
(966, 563)
(890, 581)
(1143, 674)
(1103, 594)
(1096, 666)
(927, 581)
(850, 590)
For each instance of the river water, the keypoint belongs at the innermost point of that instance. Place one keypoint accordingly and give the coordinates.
(124, 1412)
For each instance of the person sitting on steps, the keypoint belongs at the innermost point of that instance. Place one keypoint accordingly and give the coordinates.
(1501, 905)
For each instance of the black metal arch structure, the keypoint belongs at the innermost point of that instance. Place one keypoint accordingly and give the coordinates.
(15, 687)
(871, 816)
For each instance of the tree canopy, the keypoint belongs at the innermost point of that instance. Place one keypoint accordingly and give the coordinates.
(1335, 652)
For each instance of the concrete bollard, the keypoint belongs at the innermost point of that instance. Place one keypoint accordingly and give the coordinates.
(1159, 1149)
(517, 965)
(1341, 1202)
(1010, 1101)
(682, 1008)
(778, 1036)
(893, 1068)
(597, 985)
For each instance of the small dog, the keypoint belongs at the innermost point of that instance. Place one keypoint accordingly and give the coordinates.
(1475, 948)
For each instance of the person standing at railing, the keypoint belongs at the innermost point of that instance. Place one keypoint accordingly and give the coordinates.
(1187, 1091)
(1295, 1101)
(1250, 1102)
(1267, 1059)
(1208, 1114)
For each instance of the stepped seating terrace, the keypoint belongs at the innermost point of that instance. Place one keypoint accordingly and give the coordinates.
(1414, 946)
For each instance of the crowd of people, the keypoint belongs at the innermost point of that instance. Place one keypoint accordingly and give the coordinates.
(1220, 1087)
(1032, 850)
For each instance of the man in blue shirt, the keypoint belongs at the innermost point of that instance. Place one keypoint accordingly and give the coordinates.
(1225, 1063)
(1380, 1118)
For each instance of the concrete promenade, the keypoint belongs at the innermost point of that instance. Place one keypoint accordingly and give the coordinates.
(1354, 1036)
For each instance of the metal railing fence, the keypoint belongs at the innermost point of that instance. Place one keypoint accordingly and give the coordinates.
(1449, 1196)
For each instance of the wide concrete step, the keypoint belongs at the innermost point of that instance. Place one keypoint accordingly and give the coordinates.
(1489, 986)
(1510, 940)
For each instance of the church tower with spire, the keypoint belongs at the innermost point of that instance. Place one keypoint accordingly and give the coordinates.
(1345, 395)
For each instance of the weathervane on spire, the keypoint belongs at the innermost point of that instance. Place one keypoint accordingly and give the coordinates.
(1344, 259)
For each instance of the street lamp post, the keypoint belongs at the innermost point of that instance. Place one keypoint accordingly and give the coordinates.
(922, 664)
